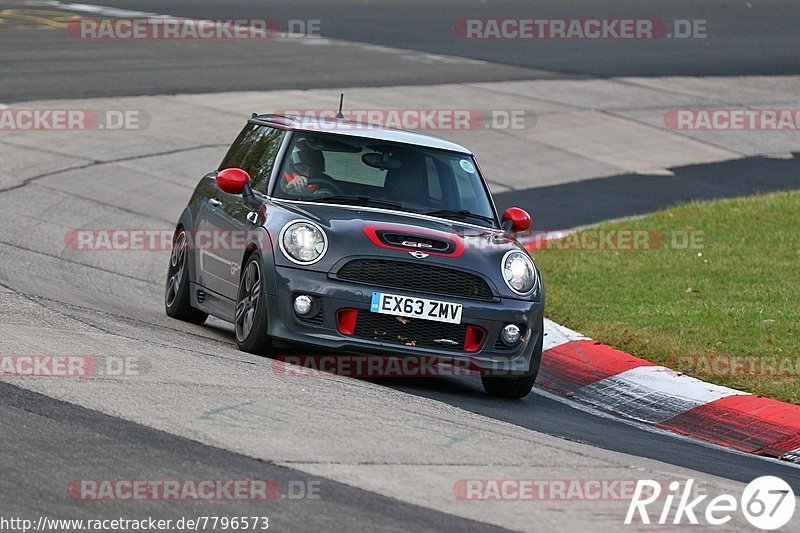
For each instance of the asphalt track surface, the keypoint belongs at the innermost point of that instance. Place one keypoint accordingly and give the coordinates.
(574, 204)
(743, 38)
(756, 40)
(61, 431)
(542, 412)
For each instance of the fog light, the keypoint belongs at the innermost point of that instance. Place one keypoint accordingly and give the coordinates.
(510, 334)
(303, 305)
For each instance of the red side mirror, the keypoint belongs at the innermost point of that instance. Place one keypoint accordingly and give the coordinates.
(516, 220)
(232, 180)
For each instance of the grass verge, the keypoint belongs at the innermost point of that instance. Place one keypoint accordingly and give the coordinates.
(711, 289)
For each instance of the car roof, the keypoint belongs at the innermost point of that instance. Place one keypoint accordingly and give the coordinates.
(359, 129)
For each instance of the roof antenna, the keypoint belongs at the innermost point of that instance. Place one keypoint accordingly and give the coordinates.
(341, 101)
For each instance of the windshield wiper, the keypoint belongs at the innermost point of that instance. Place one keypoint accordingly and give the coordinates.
(460, 213)
(355, 199)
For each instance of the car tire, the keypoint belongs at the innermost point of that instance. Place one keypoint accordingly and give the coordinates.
(250, 318)
(516, 387)
(177, 302)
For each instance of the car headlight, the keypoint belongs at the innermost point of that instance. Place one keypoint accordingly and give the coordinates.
(303, 242)
(519, 272)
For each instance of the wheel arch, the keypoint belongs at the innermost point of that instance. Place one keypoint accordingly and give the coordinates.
(186, 223)
(261, 242)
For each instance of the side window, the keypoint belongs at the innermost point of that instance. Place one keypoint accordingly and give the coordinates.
(255, 151)
(239, 148)
(261, 158)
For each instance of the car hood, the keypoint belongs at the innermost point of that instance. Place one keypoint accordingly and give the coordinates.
(367, 232)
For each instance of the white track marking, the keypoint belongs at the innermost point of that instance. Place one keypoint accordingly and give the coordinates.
(402, 53)
(654, 172)
(652, 393)
(662, 379)
(793, 456)
(97, 10)
(588, 409)
(556, 335)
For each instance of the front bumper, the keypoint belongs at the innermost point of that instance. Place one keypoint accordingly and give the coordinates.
(285, 325)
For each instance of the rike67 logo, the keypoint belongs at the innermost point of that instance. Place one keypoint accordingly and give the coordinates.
(767, 503)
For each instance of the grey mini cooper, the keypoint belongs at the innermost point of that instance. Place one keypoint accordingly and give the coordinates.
(359, 239)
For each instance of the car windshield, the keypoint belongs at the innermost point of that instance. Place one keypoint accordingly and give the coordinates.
(371, 172)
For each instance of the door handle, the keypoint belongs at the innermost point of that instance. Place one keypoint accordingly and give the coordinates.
(214, 202)
(252, 216)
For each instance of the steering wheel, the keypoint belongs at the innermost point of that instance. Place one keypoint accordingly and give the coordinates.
(326, 186)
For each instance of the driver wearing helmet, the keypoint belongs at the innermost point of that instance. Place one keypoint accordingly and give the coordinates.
(306, 164)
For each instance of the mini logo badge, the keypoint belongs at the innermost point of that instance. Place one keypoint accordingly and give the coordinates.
(419, 255)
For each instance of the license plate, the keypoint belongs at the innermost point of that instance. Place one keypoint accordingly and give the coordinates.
(391, 304)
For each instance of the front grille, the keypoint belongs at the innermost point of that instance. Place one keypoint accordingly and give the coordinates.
(409, 331)
(415, 277)
(500, 345)
(318, 319)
